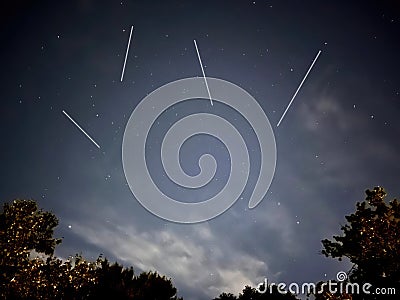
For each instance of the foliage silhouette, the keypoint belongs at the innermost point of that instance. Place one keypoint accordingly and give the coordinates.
(28, 269)
(250, 293)
(371, 241)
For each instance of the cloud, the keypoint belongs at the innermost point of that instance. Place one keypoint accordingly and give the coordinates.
(326, 111)
(345, 134)
(196, 260)
(317, 161)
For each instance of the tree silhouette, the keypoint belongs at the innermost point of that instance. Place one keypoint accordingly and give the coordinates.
(116, 281)
(371, 240)
(23, 229)
(250, 293)
(226, 296)
(151, 285)
(29, 270)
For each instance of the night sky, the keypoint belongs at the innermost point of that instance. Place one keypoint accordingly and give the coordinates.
(339, 137)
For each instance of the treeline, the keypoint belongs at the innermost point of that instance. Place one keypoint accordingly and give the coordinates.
(29, 270)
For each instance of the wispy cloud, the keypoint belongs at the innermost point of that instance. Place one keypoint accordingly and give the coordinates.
(196, 260)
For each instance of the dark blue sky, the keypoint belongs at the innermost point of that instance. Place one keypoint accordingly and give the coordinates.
(339, 137)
